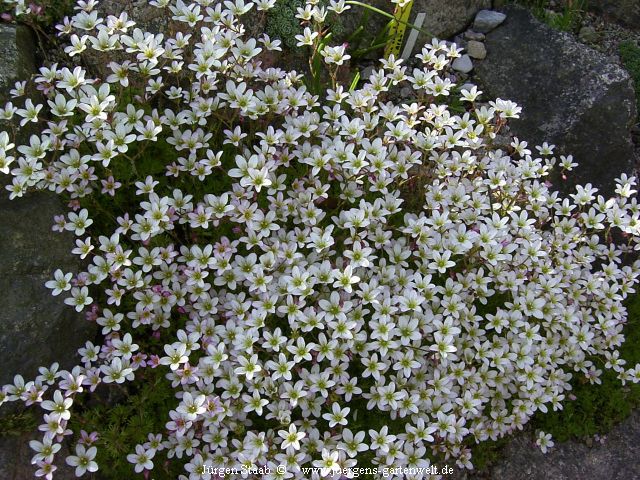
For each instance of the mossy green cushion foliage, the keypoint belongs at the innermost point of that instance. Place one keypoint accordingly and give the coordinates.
(596, 409)
(567, 19)
(283, 24)
(630, 56)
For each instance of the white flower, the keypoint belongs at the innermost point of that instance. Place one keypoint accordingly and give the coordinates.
(544, 441)
(338, 416)
(328, 464)
(141, 459)
(335, 55)
(78, 222)
(248, 366)
(307, 37)
(291, 438)
(83, 460)
(29, 113)
(79, 298)
(60, 283)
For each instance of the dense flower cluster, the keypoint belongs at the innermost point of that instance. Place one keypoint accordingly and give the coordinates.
(309, 317)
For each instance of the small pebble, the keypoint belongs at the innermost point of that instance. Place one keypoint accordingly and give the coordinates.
(588, 35)
(476, 50)
(487, 20)
(462, 64)
(366, 72)
(471, 35)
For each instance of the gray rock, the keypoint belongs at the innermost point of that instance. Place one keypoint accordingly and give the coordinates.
(617, 457)
(471, 35)
(147, 18)
(572, 96)
(366, 72)
(476, 50)
(445, 18)
(15, 459)
(487, 20)
(588, 35)
(17, 56)
(626, 12)
(462, 64)
(36, 328)
(406, 92)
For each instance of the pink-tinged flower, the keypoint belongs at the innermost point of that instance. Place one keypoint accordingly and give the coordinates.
(88, 439)
(154, 361)
(138, 360)
(92, 315)
(37, 10)
(45, 88)
(59, 223)
(45, 469)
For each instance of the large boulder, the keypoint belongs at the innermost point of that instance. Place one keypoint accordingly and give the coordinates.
(15, 459)
(35, 328)
(17, 56)
(617, 456)
(572, 96)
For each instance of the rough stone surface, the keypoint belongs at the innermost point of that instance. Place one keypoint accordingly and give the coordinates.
(571, 95)
(17, 61)
(617, 457)
(487, 20)
(445, 18)
(147, 17)
(35, 328)
(626, 12)
(476, 50)
(462, 64)
(15, 459)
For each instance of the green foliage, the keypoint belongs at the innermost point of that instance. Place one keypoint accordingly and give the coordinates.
(283, 24)
(567, 19)
(14, 424)
(121, 426)
(630, 56)
(598, 408)
(44, 13)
